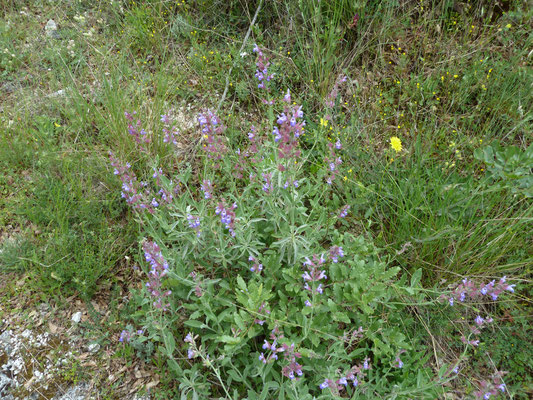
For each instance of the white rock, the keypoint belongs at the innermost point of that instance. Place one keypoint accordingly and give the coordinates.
(59, 93)
(93, 347)
(50, 26)
(76, 317)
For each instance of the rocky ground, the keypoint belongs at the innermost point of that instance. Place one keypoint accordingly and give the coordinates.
(52, 352)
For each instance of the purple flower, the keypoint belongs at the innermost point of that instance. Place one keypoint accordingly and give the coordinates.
(335, 252)
(194, 223)
(159, 267)
(190, 353)
(124, 336)
(324, 384)
(214, 139)
(207, 189)
(281, 119)
(399, 363)
(227, 215)
(451, 301)
(479, 320)
(338, 144)
(267, 186)
(344, 211)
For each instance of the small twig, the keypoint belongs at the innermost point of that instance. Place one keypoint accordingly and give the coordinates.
(240, 51)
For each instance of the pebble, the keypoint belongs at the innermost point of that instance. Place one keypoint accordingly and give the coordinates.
(51, 29)
(76, 317)
(93, 347)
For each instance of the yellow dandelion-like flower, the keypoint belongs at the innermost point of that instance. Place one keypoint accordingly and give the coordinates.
(323, 122)
(396, 143)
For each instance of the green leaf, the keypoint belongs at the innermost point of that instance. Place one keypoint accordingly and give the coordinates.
(239, 321)
(229, 339)
(196, 324)
(174, 366)
(170, 342)
(417, 276)
(233, 374)
(241, 283)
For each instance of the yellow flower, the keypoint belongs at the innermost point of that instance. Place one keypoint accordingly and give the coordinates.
(323, 122)
(396, 143)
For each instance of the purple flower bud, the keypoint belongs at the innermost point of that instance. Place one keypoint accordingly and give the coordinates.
(287, 97)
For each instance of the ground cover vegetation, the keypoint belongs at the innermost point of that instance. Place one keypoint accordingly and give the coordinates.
(304, 199)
